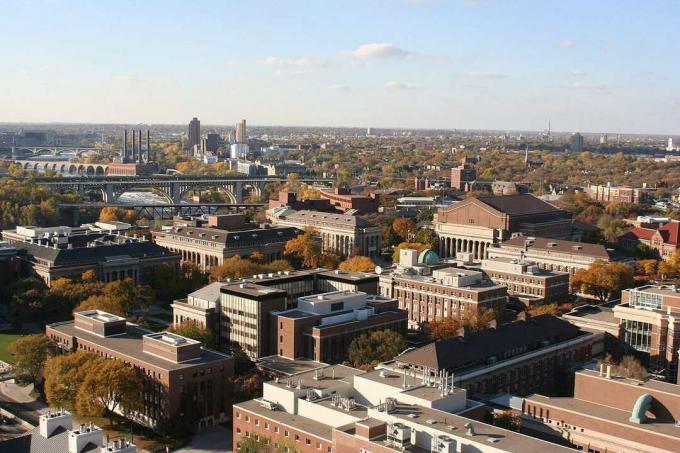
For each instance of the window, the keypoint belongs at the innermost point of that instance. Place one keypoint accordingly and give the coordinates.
(637, 334)
(337, 306)
(297, 438)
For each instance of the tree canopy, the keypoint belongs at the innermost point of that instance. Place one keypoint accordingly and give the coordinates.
(191, 329)
(369, 349)
(64, 374)
(358, 264)
(29, 354)
(306, 248)
(603, 280)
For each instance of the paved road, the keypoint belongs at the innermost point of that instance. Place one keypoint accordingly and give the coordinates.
(211, 440)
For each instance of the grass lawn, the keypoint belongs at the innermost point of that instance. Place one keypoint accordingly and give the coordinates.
(5, 340)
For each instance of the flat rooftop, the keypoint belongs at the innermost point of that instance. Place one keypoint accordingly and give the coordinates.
(129, 345)
(606, 414)
(601, 313)
(661, 290)
(252, 290)
(297, 422)
(333, 375)
(288, 367)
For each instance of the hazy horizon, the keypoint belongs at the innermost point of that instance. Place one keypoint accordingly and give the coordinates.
(591, 67)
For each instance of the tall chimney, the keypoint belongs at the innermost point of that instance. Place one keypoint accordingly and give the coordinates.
(125, 145)
(139, 146)
(148, 146)
(134, 145)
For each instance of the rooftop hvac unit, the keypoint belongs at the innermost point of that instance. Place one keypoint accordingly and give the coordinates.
(271, 405)
(443, 444)
(399, 433)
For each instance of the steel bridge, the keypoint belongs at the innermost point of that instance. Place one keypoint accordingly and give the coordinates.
(56, 150)
(159, 211)
(171, 188)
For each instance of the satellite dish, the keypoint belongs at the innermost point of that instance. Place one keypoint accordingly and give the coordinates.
(378, 270)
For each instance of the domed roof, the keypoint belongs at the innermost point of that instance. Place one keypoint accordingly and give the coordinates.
(428, 257)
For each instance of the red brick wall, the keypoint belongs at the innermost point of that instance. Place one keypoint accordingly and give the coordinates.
(244, 422)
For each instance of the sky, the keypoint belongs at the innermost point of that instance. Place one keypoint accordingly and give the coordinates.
(590, 66)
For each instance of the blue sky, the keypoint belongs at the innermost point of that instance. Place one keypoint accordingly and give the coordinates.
(594, 66)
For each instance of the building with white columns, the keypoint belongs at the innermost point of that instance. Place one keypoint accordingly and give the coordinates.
(475, 224)
(340, 233)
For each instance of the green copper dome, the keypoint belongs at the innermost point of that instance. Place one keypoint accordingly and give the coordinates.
(428, 257)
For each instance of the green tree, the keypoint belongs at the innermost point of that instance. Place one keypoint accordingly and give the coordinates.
(369, 349)
(191, 329)
(507, 420)
(29, 354)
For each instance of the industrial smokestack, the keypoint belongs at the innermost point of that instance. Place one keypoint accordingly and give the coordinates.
(148, 146)
(125, 145)
(139, 146)
(134, 145)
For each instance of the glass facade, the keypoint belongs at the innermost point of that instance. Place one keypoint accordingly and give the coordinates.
(637, 334)
(645, 300)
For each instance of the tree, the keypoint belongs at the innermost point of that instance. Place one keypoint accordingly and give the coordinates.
(358, 264)
(193, 330)
(234, 267)
(670, 267)
(631, 367)
(248, 386)
(603, 280)
(647, 267)
(369, 349)
(476, 321)
(306, 248)
(405, 228)
(428, 237)
(544, 309)
(169, 283)
(260, 445)
(89, 276)
(443, 329)
(329, 260)
(507, 420)
(102, 303)
(256, 257)
(64, 374)
(408, 245)
(123, 293)
(29, 354)
(110, 386)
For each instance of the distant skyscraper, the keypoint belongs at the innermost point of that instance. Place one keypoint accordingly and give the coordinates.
(241, 136)
(369, 132)
(194, 133)
(603, 139)
(212, 142)
(576, 142)
(670, 144)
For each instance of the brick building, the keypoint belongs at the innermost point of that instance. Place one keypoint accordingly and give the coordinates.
(526, 281)
(665, 239)
(239, 311)
(103, 247)
(523, 357)
(323, 326)
(344, 200)
(619, 194)
(430, 293)
(551, 254)
(476, 224)
(207, 242)
(649, 319)
(337, 409)
(176, 369)
(463, 175)
(609, 413)
(340, 233)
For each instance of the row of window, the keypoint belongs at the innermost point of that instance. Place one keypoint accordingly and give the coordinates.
(276, 429)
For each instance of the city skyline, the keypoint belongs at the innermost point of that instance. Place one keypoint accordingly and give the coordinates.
(385, 64)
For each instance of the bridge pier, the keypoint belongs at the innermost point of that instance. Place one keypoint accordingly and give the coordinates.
(109, 195)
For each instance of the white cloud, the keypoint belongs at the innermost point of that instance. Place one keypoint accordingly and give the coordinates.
(338, 87)
(578, 72)
(487, 75)
(565, 44)
(588, 86)
(296, 62)
(379, 51)
(393, 85)
(129, 78)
